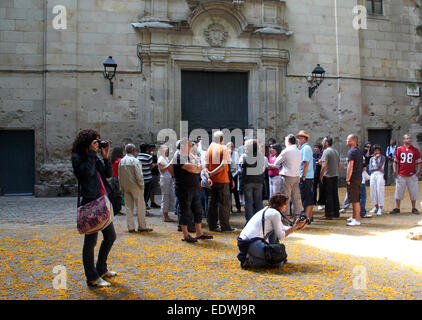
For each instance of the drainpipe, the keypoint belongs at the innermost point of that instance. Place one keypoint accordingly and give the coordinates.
(339, 96)
(44, 84)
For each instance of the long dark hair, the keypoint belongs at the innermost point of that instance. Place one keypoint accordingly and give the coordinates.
(116, 153)
(83, 140)
(277, 147)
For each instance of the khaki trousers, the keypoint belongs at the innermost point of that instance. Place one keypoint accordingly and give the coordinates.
(135, 197)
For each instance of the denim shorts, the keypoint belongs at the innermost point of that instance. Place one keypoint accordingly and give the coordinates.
(307, 192)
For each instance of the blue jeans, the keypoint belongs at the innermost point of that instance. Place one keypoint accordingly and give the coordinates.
(93, 272)
(362, 196)
(253, 199)
(176, 204)
(346, 202)
(204, 200)
(256, 256)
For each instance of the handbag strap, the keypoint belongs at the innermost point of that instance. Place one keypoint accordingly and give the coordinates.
(282, 216)
(263, 223)
(103, 189)
(79, 194)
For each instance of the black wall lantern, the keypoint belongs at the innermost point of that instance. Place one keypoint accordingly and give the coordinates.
(110, 71)
(317, 78)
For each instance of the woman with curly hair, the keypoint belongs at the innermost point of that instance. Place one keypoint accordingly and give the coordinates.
(89, 169)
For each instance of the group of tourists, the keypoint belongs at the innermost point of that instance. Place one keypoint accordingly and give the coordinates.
(197, 183)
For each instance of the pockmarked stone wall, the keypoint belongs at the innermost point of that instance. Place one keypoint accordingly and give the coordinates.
(391, 50)
(51, 80)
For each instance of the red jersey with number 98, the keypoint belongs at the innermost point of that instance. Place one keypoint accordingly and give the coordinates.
(407, 159)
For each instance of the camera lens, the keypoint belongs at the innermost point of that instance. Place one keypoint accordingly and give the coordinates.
(102, 144)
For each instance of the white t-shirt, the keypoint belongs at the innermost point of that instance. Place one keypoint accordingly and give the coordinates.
(289, 161)
(253, 228)
(164, 161)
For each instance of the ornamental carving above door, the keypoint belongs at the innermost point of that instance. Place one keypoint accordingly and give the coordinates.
(216, 35)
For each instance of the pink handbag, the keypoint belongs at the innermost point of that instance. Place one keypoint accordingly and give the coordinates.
(95, 215)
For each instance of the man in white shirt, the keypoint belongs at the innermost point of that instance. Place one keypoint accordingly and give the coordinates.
(289, 162)
(132, 185)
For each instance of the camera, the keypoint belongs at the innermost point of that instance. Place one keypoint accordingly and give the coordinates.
(303, 217)
(102, 144)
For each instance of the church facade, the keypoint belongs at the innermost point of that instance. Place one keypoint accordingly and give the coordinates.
(215, 64)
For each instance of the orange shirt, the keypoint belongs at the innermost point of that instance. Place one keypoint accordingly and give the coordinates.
(213, 158)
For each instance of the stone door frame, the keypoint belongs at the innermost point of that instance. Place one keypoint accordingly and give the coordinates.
(266, 85)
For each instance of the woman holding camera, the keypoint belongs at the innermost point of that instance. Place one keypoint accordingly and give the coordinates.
(251, 241)
(89, 169)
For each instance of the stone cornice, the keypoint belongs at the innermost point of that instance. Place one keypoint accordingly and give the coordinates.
(229, 9)
(216, 54)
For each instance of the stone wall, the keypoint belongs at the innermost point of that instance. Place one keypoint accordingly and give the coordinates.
(391, 51)
(51, 80)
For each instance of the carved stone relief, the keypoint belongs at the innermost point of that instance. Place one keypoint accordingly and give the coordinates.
(216, 35)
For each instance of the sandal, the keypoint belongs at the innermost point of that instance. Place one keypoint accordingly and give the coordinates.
(204, 236)
(190, 239)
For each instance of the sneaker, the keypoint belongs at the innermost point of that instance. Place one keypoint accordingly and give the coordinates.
(350, 219)
(379, 212)
(229, 230)
(367, 216)
(415, 211)
(109, 274)
(342, 210)
(99, 283)
(353, 223)
(395, 210)
(320, 208)
(373, 210)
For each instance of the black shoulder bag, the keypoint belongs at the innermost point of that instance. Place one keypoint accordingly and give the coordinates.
(274, 252)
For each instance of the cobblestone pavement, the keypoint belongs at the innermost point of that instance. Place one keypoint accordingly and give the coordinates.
(327, 260)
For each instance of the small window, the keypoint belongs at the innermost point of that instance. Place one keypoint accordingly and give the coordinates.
(375, 7)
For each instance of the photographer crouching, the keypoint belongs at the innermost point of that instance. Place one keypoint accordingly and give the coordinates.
(259, 240)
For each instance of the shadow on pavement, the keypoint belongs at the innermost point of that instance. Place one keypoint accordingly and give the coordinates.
(293, 268)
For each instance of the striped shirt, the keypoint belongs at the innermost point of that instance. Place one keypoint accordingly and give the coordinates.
(146, 161)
